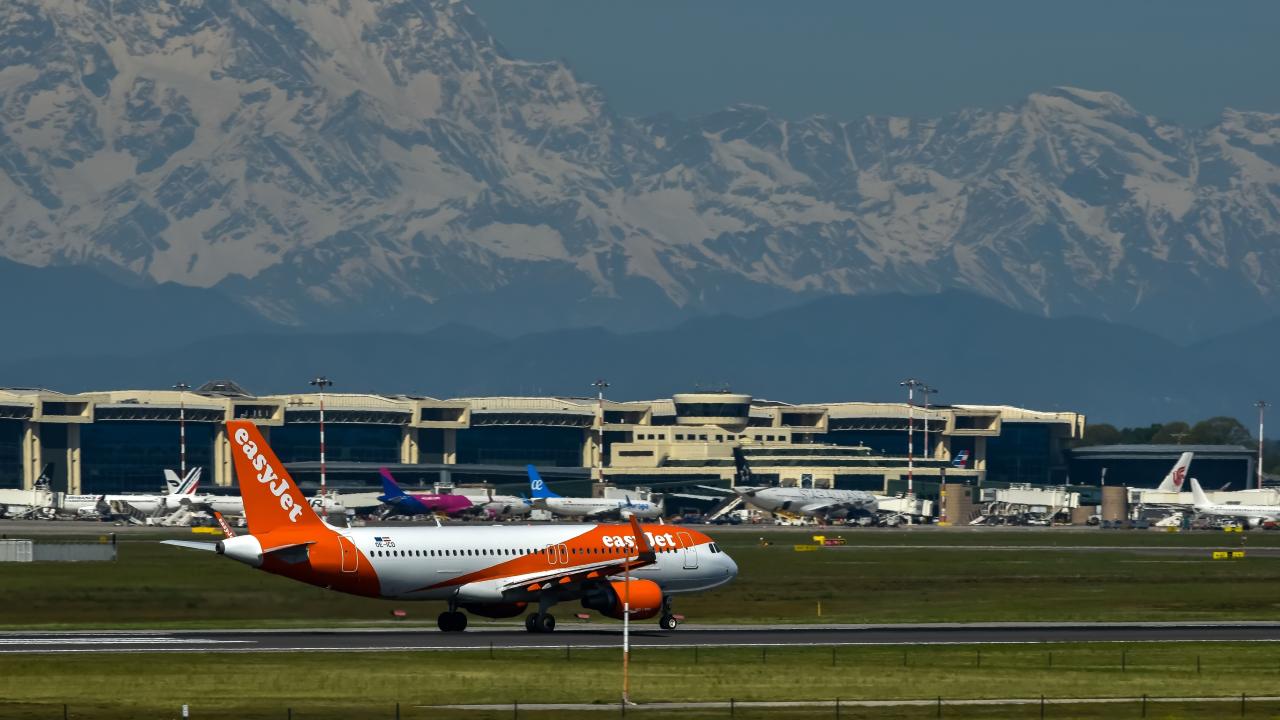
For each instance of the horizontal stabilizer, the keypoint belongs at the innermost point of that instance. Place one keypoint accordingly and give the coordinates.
(192, 545)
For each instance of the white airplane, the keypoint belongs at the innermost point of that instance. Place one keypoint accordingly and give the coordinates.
(233, 505)
(588, 508)
(1251, 515)
(617, 570)
(492, 505)
(821, 503)
(176, 490)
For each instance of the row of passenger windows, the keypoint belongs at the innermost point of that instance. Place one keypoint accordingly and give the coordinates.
(717, 438)
(504, 552)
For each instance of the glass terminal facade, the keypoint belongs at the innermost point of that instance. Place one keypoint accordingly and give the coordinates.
(10, 453)
(120, 456)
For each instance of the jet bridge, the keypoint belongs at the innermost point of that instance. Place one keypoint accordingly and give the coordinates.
(1026, 504)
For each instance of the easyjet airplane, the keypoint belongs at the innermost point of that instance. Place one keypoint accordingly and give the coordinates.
(491, 571)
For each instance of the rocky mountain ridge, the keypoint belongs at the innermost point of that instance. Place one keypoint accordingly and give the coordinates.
(384, 163)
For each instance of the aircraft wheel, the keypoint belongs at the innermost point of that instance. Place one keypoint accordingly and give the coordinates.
(451, 622)
(668, 622)
(531, 622)
(546, 622)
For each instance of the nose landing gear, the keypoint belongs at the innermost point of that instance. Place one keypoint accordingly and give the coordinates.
(452, 621)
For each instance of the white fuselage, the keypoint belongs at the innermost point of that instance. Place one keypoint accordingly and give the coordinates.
(811, 501)
(1255, 512)
(595, 507)
(492, 505)
(410, 561)
(143, 503)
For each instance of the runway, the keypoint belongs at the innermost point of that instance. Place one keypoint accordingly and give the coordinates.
(599, 635)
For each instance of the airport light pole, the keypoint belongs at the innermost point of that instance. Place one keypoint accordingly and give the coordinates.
(911, 384)
(182, 389)
(600, 385)
(927, 391)
(1262, 410)
(322, 382)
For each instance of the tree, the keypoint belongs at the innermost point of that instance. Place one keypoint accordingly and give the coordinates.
(1140, 435)
(1221, 430)
(1174, 432)
(1101, 434)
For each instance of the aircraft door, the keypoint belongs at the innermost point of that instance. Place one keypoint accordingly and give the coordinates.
(690, 551)
(350, 556)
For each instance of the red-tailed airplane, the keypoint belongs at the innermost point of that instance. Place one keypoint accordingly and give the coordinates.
(491, 571)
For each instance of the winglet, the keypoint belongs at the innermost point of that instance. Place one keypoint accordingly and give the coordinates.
(646, 553)
(222, 523)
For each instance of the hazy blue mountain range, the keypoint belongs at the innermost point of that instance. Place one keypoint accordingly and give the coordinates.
(352, 164)
(838, 348)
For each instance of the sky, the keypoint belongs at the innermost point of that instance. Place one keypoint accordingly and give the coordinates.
(1179, 60)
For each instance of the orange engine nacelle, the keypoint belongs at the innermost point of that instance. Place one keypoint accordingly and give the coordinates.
(646, 599)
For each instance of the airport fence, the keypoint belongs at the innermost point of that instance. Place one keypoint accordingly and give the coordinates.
(23, 550)
(1144, 706)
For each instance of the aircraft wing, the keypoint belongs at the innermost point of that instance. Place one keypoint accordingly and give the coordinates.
(359, 501)
(829, 507)
(544, 580)
(536, 582)
(708, 498)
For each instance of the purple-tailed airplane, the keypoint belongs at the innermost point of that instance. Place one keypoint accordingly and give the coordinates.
(421, 503)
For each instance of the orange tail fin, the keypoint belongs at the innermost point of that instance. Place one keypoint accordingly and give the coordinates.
(271, 499)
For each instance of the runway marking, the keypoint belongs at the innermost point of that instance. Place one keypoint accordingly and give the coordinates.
(558, 647)
(116, 641)
(927, 702)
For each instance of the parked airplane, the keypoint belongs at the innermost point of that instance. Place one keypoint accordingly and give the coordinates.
(1251, 515)
(824, 504)
(1177, 474)
(400, 502)
(176, 490)
(233, 505)
(487, 571)
(494, 505)
(588, 508)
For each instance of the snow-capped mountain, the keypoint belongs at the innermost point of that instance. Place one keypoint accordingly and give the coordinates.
(378, 161)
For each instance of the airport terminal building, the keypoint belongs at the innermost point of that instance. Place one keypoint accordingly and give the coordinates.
(119, 441)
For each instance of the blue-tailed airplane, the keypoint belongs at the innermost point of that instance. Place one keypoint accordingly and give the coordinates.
(593, 508)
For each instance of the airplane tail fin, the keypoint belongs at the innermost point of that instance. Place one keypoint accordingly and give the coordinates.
(961, 460)
(271, 498)
(1177, 475)
(1198, 498)
(390, 488)
(182, 486)
(537, 488)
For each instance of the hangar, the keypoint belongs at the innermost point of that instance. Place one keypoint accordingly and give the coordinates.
(1217, 467)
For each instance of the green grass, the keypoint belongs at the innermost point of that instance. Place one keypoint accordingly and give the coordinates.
(153, 585)
(261, 685)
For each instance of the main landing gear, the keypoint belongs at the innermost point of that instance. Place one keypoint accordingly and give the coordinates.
(540, 622)
(452, 621)
(667, 621)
